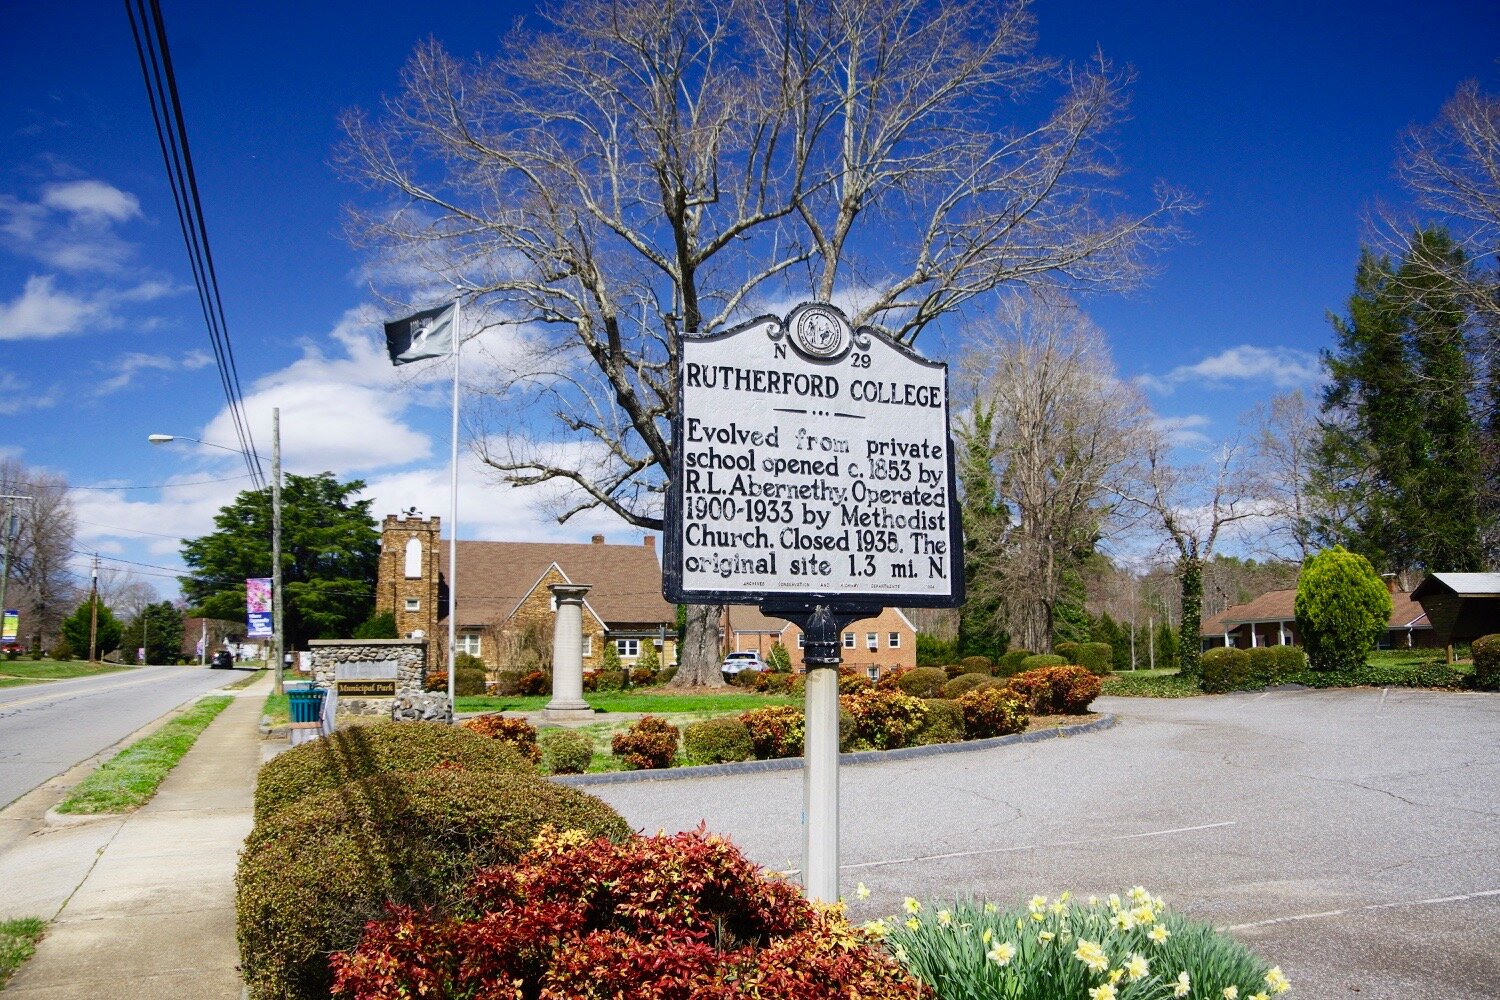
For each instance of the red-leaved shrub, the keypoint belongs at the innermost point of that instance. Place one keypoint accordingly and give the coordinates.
(517, 732)
(992, 711)
(535, 682)
(883, 720)
(648, 744)
(1057, 690)
(684, 917)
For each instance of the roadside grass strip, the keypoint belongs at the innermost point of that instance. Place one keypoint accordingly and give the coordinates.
(245, 682)
(278, 709)
(647, 701)
(56, 670)
(18, 940)
(130, 778)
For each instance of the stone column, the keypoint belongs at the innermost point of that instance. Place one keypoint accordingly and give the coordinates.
(567, 704)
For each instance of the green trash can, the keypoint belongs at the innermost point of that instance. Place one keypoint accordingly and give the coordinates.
(306, 702)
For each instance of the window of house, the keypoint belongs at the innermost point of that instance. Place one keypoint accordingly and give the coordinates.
(588, 645)
(413, 604)
(848, 640)
(628, 647)
(801, 640)
(895, 640)
(872, 640)
(468, 642)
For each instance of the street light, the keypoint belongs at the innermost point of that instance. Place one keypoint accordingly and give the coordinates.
(277, 630)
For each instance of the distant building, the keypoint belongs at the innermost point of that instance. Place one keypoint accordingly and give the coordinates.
(1461, 606)
(216, 633)
(1271, 620)
(503, 600)
(872, 645)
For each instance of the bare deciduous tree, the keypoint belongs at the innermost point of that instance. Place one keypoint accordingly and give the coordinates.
(1193, 505)
(1285, 449)
(638, 170)
(41, 586)
(1065, 429)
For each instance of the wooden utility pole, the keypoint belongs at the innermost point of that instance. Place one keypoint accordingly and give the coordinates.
(94, 613)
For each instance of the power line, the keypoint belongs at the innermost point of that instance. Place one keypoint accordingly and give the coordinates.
(155, 57)
(155, 486)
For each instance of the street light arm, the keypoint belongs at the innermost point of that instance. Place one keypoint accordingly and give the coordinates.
(168, 438)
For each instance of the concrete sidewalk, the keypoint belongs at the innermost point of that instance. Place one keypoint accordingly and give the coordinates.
(142, 907)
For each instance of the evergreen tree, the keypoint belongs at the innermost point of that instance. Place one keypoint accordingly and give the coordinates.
(985, 518)
(159, 629)
(1166, 647)
(1400, 444)
(75, 628)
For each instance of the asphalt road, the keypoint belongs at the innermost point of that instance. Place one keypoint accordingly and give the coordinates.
(1353, 837)
(47, 728)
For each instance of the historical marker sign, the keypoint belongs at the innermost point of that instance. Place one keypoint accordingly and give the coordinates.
(813, 463)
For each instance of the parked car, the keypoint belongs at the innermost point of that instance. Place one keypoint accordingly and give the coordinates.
(736, 662)
(223, 660)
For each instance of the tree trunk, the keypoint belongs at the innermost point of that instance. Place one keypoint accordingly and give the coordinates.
(699, 658)
(1189, 643)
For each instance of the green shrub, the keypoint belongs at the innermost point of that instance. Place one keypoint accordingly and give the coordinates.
(992, 712)
(1486, 653)
(609, 680)
(648, 744)
(934, 652)
(517, 733)
(649, 658)
(853, 681)
(718, 741)
(1011, 662)
(380, 625)
(1095, 657)
(1343, 608)
(1039, 660)
(664, 676)
(642, 676)
(467, 661)
(565, 751)
(314, 874)
(1225, 668)
(610, 660)
(923, 682)
(964, 682)
(977, 665)
(1274, 664)
(942, 722)
(62, 649)
(775, 731)
(1067, 650)
(882, 720)
(508, 683)
(779, 660)
(362, 751)
(468, 683)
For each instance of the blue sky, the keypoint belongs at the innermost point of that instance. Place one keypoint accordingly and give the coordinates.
(1281, 117)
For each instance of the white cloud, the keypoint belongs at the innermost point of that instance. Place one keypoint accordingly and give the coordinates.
(92, 200)
(17, 396)
(193, 360)
(41, 312)
(1183, 432)
(1279, 367)
(127, 366)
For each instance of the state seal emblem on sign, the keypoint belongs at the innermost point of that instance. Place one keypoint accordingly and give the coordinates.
(819, 332)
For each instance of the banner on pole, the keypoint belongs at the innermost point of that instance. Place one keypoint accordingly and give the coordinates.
(11, 628)
(258, 608)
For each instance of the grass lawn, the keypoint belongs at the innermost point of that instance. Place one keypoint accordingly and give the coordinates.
(18, 940)
(129, 779)
(10, 682)
(55, 670)
(245, 681)
(278, 709)
(1150, 684)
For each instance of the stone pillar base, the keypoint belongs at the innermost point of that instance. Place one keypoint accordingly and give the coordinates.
(568, 713)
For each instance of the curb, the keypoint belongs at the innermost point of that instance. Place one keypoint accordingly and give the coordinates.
(845, 759)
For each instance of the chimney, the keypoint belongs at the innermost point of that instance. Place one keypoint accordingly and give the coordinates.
(598, 539)
(1392, 582)
(650, 542)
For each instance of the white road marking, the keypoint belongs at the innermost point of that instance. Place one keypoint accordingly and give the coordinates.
(1364, 909)
(1037, 847)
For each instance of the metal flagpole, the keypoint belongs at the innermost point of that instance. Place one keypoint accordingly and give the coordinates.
(453, 511)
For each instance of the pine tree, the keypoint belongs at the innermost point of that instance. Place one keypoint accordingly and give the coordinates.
(75, 628)
(980, 629)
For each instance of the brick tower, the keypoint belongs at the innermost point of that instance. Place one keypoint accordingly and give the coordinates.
(407, 581)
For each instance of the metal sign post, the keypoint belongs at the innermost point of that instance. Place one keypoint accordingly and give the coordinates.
(814, 476)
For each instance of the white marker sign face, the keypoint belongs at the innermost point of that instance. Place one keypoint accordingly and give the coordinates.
(813, 460)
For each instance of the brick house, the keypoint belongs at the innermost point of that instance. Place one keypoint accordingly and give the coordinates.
(1270, 620)
(873, 645)
(504, 602)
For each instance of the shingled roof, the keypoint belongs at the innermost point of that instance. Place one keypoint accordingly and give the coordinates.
(1280, 606)
(493, 577)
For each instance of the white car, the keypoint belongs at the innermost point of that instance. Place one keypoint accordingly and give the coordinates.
(736, 662)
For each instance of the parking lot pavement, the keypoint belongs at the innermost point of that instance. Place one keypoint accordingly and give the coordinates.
(1351, 836)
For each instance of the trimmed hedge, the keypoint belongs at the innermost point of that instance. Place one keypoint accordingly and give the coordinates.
(648, 744)
(942, 722)
(775, 731)
(923, 682)
(1039, 660)
(1224, 669)
(964, 682)
(1231, 669)
(314, 874)
(1486, 653)
(1095, 657)
(718, 741)
(1274, 664)
(361, 751)
(508, 683)
(992, 712)
(882, 720)
(565, 751)
(1065, 690)
(1010, 663)
(977, 665)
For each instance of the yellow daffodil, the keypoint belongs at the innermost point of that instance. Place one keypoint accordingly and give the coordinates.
(1038, 917)
(900, 954)
(1067, 895)
(1105, 991)
(1091, 955)
(861, 891)
(1231, 993)
(1114, 901)
(1115, 975)
(912, 905)
(990, 907)
(1136, 966)
(1262, 995)
(1159, 933)
(913, 923)
(1144, 914)
(1093, 900)
(1058, 908)
(1123, 920)
(1045, 937)
(944, 918)
(1278, 982)
(1036, 904)
(986, 936)
(1001, 954)
(879, 928)
(1183, 986)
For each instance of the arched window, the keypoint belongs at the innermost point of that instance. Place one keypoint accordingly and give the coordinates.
(413, 558)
